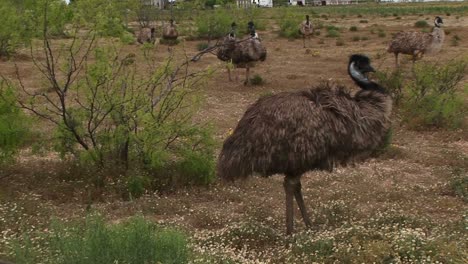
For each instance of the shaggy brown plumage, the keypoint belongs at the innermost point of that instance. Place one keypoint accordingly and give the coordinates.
(306, 29)
(170, 31)
(291, 133)
(146, 34)
(244, 53)
(418, 43)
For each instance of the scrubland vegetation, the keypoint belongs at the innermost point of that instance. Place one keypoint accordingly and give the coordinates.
(108, 148)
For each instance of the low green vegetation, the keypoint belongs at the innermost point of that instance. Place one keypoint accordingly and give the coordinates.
(133, 241)
(421, 24)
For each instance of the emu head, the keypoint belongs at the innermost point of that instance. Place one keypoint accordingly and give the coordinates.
(307, 19)
(359, 66)
(438, 21)
(252, 32)
(171, 21)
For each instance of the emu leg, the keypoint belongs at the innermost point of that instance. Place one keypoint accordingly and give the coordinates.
(247, 75)
(289, 190)
(229, 73)
(396, 59)
(303, 40)
(300, 203)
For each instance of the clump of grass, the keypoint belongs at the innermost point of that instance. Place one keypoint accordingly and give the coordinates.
(257, 80)
(356, 38)
(332, 32)
(321, 41)
(359, 15)
(364, 38)
(363, 21)
(455, 41)
(353, 28)
(134, 241)
(421, 24)
(381, 33)
(459, 184)
(398, 18)
(202, 45)
(340, 42)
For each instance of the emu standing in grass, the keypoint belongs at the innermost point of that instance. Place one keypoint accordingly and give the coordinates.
(146, 34)
(306, 30)
(244, 53)
(291, 133)
(418, 43)
(170, 31)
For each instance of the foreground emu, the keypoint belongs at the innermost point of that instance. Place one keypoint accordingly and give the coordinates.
(291, 133)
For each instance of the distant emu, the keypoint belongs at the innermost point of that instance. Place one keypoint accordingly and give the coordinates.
(243, 53)
(418, 43)
(146, 35)
(306, 30)
(291, 133)
(170, 31)
(227, 47)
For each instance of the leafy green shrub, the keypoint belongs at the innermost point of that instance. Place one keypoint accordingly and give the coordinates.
(393, 81)
(289, 27)
(214, 25)
(13, 124)
(421, 24)
(353, 28)
(133, 241)
(433, 98)
(13, 33)
(127, 38)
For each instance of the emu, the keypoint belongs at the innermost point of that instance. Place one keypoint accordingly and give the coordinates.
(147, 34)
(243, 53)
(170, 31)
(291, 133)
(418, 43)
(306, 30)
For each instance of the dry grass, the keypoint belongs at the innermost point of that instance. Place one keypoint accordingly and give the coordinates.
(399, 205)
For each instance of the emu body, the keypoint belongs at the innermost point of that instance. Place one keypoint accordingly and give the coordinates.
(170, 31)
(146, 34)
(418, 43)
(291, 133)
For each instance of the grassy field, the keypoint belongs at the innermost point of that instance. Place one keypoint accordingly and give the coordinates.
(408, 205)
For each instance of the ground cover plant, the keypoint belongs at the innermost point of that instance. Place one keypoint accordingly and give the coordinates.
(407, 204)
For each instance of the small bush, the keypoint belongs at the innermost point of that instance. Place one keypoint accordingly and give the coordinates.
(333, 33)
(459, 186)
(364, 38)
(398, 18)
(289, 28)
(257, 80)
(13, 124)
(434, 98)
(321, 41)
(356, 38)
(353, 28)
(421, 24)
(127, 38)
(363, 21)
(134, 241)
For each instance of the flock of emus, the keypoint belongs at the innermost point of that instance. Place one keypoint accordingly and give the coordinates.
(291, 133)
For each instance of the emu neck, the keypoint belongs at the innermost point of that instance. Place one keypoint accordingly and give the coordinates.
(362, 81)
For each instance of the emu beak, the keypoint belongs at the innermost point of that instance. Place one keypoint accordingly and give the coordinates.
(367, 69)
